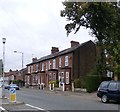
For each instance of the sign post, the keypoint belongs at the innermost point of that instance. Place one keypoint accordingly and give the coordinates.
(12, 93)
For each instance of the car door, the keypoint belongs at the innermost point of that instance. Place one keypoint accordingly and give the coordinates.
(119, 90)
(113, 91)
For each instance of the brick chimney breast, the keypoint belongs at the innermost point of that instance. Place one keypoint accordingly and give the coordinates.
(54, 50)
(74, 43)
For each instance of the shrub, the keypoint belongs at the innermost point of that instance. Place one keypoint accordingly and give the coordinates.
(57, 83)
(92, 83)
(77, 83)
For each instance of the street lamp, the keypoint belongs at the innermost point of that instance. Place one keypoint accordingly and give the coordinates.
(3, 40)
(22, 61)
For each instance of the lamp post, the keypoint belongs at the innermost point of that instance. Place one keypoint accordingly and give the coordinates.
(22, 61)
(3, 40)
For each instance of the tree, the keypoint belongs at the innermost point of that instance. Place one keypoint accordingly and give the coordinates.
(101, 19)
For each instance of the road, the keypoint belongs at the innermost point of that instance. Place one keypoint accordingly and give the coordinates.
(46, 100)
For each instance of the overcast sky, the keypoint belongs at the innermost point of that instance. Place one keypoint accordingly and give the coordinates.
(33, 27)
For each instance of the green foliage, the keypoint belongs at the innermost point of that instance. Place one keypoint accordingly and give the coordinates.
(77, 83)
(93, 80)
(18, 82)
(103, 19)
(57, 83)
(92, 83)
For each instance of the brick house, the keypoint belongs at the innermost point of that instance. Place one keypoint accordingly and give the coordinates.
(65, 65)
(15, 75)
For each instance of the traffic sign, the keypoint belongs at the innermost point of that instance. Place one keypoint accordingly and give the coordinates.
(12, 93)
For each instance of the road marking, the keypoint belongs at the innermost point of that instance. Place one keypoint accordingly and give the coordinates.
(34, 107)
(2, 108)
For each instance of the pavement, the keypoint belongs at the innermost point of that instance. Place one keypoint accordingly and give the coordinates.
(80, 94)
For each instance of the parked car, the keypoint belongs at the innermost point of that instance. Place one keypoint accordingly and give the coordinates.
(109, 90)
(14, 86)
(6, 86)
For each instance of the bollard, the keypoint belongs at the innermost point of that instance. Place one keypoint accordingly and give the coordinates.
(73, 89)
(53, 86)
(63, 87)
(50, 87)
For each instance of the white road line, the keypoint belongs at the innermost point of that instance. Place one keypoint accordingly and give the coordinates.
(34, 107)
(2, 108)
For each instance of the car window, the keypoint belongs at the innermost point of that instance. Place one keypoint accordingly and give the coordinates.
(112, 85)
(104, 85)
(119, 85)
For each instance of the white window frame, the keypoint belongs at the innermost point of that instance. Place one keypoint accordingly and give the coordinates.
(46, 65)
(32, 68)
(54, 63)
(66, 61)
(42, 67)
(67, 78)
(49, 64)
(60, 62)
(29, 69)
(37, 67)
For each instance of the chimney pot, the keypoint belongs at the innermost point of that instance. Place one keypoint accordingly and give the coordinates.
(34, 59)
(54, 50)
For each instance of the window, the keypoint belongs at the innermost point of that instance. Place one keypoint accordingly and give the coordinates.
(28, 69)
(50, 77)
(60, 62)
(112, 85)
(67, 77)
(31, 68)
(49, 64)
(118, 84)
(104, 84)
(54, 64)
(42, 66)
(54, 76)
(37, 67)
(46, 65)
(62, 77)
(66, 60)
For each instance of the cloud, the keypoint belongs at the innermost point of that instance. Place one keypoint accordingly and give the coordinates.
(33, 27)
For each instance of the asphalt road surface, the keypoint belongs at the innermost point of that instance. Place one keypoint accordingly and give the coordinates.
(42, 100)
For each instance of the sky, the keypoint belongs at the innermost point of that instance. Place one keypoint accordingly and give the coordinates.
(33, 27)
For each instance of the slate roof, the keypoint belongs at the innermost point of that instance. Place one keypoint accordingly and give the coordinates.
(66, 51)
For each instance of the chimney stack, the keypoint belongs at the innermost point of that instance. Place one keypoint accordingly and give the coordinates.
(54, 50)
(74, 43)
(34, 59)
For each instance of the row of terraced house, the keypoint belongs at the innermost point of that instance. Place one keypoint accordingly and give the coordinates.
(64, 66)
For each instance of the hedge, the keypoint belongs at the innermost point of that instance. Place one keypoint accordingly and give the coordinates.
(92, 83)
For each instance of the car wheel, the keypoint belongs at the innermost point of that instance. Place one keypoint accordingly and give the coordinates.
(104, 98)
